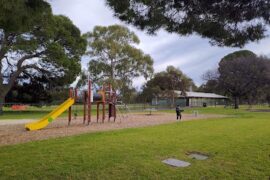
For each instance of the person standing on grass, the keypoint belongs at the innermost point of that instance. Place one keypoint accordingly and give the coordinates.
(178, 112)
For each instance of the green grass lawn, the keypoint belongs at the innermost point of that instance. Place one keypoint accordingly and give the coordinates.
(38, 112)
(239, 148)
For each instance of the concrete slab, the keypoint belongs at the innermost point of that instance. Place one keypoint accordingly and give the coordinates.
(198, 156)
(176, 162)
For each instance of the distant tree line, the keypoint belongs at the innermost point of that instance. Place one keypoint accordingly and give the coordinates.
(243, 76)
(37, 91)
(166, 83)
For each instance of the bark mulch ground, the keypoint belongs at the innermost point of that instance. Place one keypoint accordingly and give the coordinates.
(13, 132)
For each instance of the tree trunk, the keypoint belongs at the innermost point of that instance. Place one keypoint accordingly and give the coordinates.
(5, 88)
(268, 100)
(236, 102)
(3, 92)
(249, 103)
(173, 100)
(2, 101)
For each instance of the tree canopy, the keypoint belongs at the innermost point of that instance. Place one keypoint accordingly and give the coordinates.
(33, 92)
(166, 82)
(114, 56)
(19, 16)
(238, 54)
(33, 42)
(225, 23)
(241, 74)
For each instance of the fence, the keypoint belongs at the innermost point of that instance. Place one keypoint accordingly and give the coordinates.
(24, 107)
(78, 107)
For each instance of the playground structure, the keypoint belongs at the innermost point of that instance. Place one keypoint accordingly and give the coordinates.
(105, 96)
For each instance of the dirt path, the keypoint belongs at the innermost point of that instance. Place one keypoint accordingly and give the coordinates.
(13, 132)
(12, 121)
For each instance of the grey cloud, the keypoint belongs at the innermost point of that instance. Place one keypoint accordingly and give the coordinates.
(192, 54)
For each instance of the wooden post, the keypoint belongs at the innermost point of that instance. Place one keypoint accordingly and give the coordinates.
(84, 106)
(114, 111)
(103, 112)
(97, 111)
(110, 103)
(104, 104)
(75, 95)
(114, 103)
(89, 100)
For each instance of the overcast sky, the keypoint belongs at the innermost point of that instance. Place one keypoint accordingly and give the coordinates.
(192, 54)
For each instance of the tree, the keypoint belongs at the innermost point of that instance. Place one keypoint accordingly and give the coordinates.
(38, 90)
(128, 94)
(225, 23)
(18, 16)
(33, 42)
(166, 82)
(238, 54)
(114, 57)
(242, 75)
(211, 82)
(176, 80)
(209, 86)
(34, 92)
(267, 92)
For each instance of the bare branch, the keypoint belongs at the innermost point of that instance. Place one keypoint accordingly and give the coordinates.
(20, 61)
(20, 69)
(31, 66)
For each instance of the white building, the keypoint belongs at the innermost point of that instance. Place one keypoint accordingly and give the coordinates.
(192, 99)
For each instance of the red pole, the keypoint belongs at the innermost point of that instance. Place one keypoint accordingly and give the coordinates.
(114, 104)
(103, 112)
(75, 96)
(114, 111)
(70, 92)
(110, 101)
(97, 111)
(89, 101)
(104, 104)
(84, 106)
(110, 88)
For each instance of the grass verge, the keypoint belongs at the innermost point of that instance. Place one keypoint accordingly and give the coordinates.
(239, 148)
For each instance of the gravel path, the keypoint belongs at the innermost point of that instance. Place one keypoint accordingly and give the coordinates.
(13, 132)
(12, 121)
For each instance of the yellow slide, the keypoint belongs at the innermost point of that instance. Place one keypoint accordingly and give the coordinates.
(50, 117)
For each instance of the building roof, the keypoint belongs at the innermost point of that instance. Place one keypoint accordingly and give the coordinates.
(200, 95)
